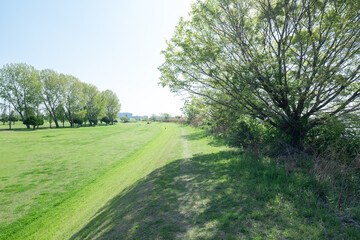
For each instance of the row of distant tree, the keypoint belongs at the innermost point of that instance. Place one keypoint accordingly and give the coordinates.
(29, 95)
(162, 117)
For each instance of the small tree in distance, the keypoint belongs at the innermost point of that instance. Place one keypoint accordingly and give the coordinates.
(125, 119)
(34, 121)
(153, 118)
(106, 120)
(78, 121)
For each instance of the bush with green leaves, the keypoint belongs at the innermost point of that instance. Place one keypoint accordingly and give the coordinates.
(106, 120)
(34, 121)
(4, 119)
(334, 133)
(125, 119)
(93, 122)
(78, 121)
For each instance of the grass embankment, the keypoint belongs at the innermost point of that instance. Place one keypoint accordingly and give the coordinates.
(213, 192)
(54, 180)
(174, 183)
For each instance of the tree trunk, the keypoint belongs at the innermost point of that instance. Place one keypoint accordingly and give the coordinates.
(296, 129)
(22, 118)
(53, 115)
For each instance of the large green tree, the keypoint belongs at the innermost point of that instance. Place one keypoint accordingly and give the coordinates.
(20, 86)
(73, 98)
(112, 105)
(95, 103)
(53, 91)
(291, 63)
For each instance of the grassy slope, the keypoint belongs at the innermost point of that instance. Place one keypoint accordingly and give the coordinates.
(213, 192)
(70, 170)
(181, 185)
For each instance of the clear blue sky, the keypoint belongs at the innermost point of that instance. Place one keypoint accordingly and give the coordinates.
(113, 44)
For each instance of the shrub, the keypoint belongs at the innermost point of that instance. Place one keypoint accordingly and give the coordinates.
(125, 119)
(338, 175)
(106, 120)
(34, 121)
(93, 121)
(240, 131)
(39, 121)
(78, 121)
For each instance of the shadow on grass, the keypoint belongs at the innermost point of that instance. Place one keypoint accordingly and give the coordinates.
(224, 195)
(24, 129)
(195, 136)
(199, 135)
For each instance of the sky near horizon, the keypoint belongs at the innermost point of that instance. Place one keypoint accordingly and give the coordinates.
(112, 44)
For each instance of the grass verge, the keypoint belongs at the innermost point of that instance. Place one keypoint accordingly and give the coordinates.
(217, 193)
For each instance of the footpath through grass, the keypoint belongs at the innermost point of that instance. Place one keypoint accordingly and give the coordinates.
(213, 192)
(157, 181)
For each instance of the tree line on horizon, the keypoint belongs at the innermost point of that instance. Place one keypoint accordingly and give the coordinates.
(30, 95)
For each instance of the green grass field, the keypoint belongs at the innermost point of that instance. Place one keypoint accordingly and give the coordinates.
(156, 181)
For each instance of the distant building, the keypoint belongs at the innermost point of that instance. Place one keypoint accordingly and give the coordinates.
(130, 115)
(123, 114)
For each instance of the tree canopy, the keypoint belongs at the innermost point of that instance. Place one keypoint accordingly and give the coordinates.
(290, 63)
(20, 86)
(53, 85)
(112, 105)
(32, 93)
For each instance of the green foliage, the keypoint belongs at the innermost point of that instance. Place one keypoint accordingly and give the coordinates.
(287, 63)
(34, 121)
(124, 119)
(152, 118)
(78, 121)
(112, 105)
(14, 118)
(93, 121)
(20, 86)
(165, 117)
(94, 104)
(78, 117)
(60, 114)
(53, 91)
(4, 118)
(336, 155)
(334, 133)
(74, 99)
(192, 110)
(246, 132)
(105, 120)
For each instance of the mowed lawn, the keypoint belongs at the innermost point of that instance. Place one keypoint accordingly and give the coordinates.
(156, 181)
(46, 174)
